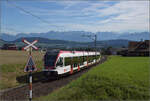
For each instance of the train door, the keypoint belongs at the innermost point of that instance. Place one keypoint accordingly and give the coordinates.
(60, 65)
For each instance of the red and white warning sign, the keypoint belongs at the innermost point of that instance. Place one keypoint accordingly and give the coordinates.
(30, 44)
(30, 66)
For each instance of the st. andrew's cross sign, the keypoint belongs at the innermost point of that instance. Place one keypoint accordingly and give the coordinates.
(30, 66)
(30, 45)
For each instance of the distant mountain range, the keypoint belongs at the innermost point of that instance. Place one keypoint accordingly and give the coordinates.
(78, 36)
(44, 42)
(75, 39)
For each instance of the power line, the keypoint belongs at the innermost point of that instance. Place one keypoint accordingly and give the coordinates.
(12, 29)
(30, 13)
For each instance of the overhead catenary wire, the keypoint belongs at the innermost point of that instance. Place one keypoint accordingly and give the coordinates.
(94, 38)
(12, 29)
(30, 13)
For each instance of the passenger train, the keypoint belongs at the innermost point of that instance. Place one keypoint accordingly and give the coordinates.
(63, 62)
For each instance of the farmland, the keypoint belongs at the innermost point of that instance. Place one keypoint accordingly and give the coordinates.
(120, 78)
(12, 64)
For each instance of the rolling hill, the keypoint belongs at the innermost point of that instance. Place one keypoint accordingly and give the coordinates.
(45, 42)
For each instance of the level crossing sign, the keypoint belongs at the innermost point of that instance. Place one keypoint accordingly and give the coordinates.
(30, 44)
(30, 66)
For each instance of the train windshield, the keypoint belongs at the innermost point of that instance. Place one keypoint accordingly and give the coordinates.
(49, 59)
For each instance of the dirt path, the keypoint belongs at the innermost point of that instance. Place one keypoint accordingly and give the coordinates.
(42, 87)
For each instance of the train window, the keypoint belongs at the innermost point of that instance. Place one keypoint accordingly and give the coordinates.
(97, 56)
(84, 58)
(67, 61)
(75, 60)
(60, 62)
(75, 65)
(89, 58)
(93, 57)
(80, 60)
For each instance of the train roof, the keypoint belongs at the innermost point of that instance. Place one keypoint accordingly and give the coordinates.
(64, 53)
(76, 53)
(52, 52)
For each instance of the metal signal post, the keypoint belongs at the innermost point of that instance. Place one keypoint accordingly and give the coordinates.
(95, 42)
(30, 78)
(30, 86)
(95, 47)
(30, 66)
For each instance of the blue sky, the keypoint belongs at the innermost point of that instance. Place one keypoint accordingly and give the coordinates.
(93, 16)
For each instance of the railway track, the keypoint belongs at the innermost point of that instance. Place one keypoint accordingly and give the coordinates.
(42, 87)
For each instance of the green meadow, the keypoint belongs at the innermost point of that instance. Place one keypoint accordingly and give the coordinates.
(120, 78)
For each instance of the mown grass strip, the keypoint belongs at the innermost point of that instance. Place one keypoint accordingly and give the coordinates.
(121, 78)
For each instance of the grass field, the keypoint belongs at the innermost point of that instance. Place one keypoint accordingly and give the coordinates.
(12, 65)
(120, 78)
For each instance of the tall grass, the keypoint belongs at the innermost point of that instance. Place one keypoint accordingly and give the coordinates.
(9, 73)
(120, 78)
(12, 65)
(18, 57)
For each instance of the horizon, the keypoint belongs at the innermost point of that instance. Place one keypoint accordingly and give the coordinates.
(64, 16)
(119, 33)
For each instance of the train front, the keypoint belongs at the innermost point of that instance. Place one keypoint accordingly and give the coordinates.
(50, 58)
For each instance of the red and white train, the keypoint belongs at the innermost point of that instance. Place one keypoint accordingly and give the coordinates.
(62, 62)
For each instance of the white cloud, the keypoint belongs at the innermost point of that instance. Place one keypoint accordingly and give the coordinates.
(94, 7)
(69, 3)
(129, 15)
(95, 16)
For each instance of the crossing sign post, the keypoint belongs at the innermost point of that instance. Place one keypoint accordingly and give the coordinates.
(30, 66)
